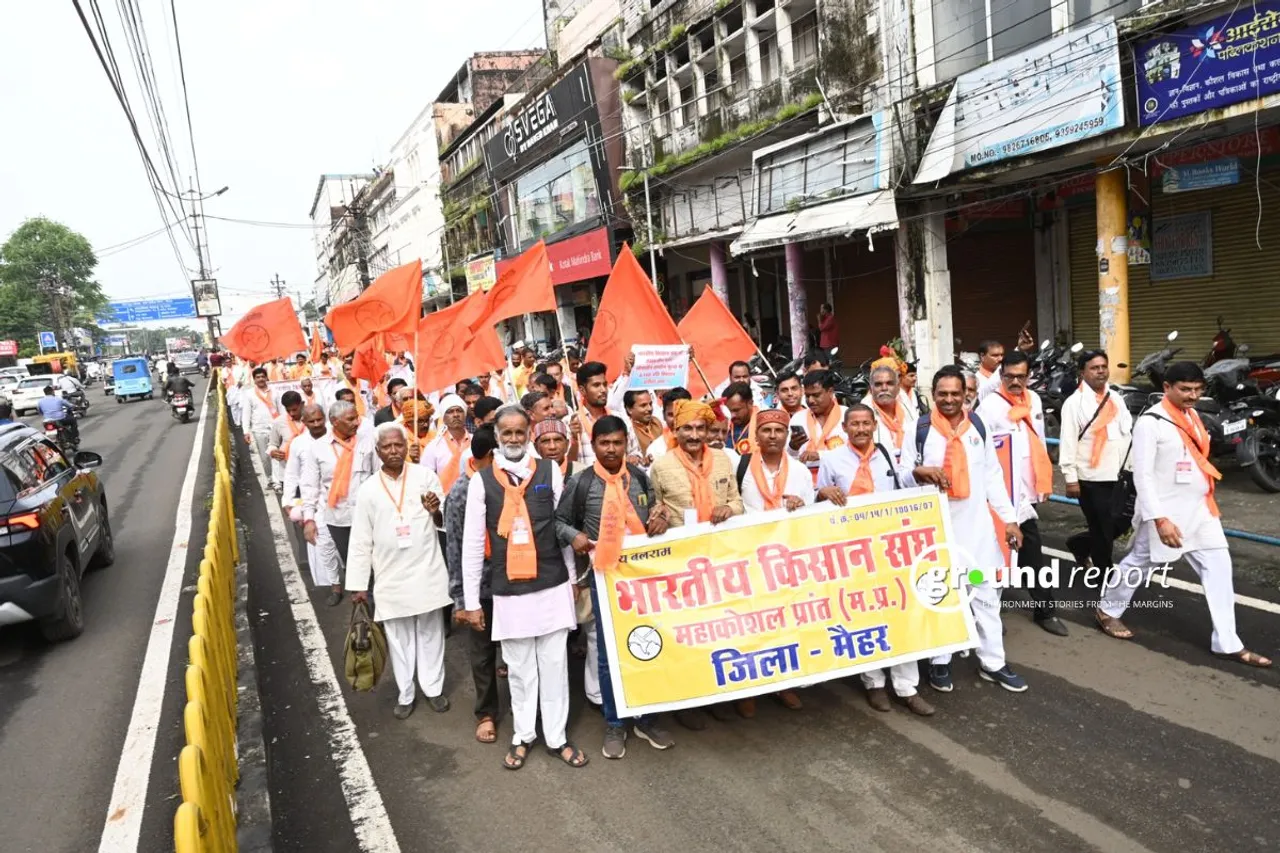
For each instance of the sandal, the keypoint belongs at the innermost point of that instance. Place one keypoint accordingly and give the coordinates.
(515, 757)
(1247, 658)
(486, 730)
(576, 757)
(1111, 626)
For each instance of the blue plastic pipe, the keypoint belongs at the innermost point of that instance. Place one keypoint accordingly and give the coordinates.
(1235, 534)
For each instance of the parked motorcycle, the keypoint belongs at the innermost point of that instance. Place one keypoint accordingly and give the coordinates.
(1148, 378)
(180, 406)
(1258, 429)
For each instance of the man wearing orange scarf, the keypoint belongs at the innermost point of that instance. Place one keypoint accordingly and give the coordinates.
(602, 504)
(511, 505)
(959, 457)
(416, 418)
(284, 430)
(818, 427)
(258, 409)
(742, 418)
(1016, 417)
(695, 484)
(893, 419)
(647, 432)
(1176, 515)
(864, 466)
(1095, 435)
(333, 469)
(444, 454)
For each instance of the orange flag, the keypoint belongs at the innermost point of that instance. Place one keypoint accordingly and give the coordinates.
(630, 313)
(317, 344)
(523, 288)
(448, 350)
(393, 303)
(369, 363)
(717, 338)
(270, 330)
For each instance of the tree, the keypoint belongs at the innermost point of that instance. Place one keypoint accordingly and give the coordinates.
(46, 279)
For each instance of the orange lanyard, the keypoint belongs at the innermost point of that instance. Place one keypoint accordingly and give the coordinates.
(404, 481)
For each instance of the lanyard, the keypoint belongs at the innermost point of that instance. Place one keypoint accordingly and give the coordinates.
(404, 481)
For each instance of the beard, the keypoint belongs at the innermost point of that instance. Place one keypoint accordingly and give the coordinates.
(513, 452)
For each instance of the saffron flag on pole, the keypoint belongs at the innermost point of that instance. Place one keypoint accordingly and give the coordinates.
(392, 304)
(448, 350)
(630, 313)
(317, 344)
(368, 362)
(717, 338)
(523, 288)
(270, 330)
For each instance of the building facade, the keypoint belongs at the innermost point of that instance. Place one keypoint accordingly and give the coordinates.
(340, 238)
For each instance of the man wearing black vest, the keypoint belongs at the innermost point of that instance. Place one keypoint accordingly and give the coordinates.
(511, 505)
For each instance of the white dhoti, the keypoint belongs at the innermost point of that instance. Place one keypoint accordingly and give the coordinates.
(260, 441)
(905, 677)
(591, 666)
(416, 644)
(277, 470)
(1213, 565)
(984, 603)
(538, 675)
(326, 567)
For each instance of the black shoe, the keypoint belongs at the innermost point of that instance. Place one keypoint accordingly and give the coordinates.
(1053, 625)
(334, 599)
(439, 704)
(402, 712)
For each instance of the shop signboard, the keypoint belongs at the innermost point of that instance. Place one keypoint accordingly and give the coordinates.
(481, 273)
(1201, 176)
(1058, 92)
(540, 123)
(576, 259)
(8, 347)
(1182, 246)
(207, 302)
(1227, 60)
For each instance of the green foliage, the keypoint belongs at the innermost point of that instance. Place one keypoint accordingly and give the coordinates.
(673, 38)
(41, 258)
(628, 95)
(627, 68)
(721, 5)
(617, 53)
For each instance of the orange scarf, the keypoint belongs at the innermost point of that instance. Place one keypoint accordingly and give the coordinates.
(1098, 431)
(295, 430)
(699, 481)
(819, 438)
(1041, 465)
(955, 463)
(670, 438)
(616, 513)
(449, 475)
(355, 389)
(772, 496)
(647, 434)
(746, 445)
(1196, 440)
(274, 372)
(522, 558)
(266, 401)
(863, 483)
(341, 485)
(892, 418)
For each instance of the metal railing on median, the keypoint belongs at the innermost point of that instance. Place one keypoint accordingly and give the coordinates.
(207, 767)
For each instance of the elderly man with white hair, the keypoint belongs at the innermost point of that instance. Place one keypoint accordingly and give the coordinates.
(393, 542)
(333, 469)
(324, 563)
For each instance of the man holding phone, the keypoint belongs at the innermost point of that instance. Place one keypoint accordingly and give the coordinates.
(818, 427)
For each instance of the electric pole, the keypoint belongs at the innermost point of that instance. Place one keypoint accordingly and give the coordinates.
(277, 284)
(200, 232)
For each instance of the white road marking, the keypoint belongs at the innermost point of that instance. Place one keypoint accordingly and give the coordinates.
(364, 803)
(1186, 586)
(129, 794)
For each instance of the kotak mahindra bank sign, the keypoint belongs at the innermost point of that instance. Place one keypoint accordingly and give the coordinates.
(576, 259)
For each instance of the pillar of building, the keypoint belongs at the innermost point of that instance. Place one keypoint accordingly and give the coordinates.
(924, 292)
(1113, 270)
(797, 301)
(720, 276)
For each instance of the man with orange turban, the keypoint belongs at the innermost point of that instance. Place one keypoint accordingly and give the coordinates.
(415, 416)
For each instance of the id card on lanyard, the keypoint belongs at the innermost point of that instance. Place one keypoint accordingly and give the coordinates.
(404, 530)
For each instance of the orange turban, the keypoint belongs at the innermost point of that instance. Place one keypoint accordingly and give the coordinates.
(689, 411)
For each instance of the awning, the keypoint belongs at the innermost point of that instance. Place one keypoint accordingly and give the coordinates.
(702, 237)
(868, 212)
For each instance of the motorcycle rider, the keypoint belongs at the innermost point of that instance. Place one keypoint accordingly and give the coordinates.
(54, 408)
(177, 384)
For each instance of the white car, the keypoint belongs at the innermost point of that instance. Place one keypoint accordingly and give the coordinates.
(26, 395)
(8, 383)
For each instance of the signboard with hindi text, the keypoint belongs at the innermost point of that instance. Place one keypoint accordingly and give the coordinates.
(774, 601)
(659, 367)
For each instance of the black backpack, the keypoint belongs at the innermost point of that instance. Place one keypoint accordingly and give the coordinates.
(744, 465)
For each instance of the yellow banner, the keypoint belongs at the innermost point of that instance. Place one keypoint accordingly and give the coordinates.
(760, 603)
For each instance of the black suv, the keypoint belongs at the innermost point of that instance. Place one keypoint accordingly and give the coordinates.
(53, 526)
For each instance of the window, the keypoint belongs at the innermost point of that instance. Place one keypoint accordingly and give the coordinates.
(556, 195)
(842, 162)
(970, 33)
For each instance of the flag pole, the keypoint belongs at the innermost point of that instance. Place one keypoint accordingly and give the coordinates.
(710, 390)
(764, 358)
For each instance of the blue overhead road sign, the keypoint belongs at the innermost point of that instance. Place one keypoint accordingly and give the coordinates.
(142, 310)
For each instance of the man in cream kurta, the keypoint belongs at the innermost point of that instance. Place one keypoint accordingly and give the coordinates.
(394, 543)
(1176, 515)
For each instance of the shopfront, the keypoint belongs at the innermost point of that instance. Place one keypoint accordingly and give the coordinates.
(554, 167)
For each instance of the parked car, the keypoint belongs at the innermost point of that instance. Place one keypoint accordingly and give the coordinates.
(27, 393)
(7, 383)
(54, 525)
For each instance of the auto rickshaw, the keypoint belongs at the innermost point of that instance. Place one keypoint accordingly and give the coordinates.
(132, 378)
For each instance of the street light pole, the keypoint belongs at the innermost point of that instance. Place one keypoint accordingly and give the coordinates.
(648, 216)
(202, 248)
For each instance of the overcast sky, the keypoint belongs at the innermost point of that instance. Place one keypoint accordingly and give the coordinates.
(281, 91)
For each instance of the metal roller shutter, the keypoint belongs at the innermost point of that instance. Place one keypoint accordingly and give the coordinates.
(1244, 287)
(993, 285)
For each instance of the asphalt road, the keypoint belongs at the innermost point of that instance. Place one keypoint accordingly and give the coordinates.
(1150, 745)
(65, 709)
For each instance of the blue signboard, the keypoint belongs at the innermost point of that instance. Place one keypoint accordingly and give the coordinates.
(143, 310)
(1201, 176)
(48, 340)
(1228, 60)
(117, 341)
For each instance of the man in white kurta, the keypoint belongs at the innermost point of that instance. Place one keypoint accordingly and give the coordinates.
(444, 453)
(257, 410)
(974, 483)
(394, 544)
(893, 418)
(841, 475)
(1176, 514)
(322, 556)
(818, 426)
(330, 482)
(284, 429)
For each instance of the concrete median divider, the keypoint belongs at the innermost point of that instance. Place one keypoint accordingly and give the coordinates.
(222, 704)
